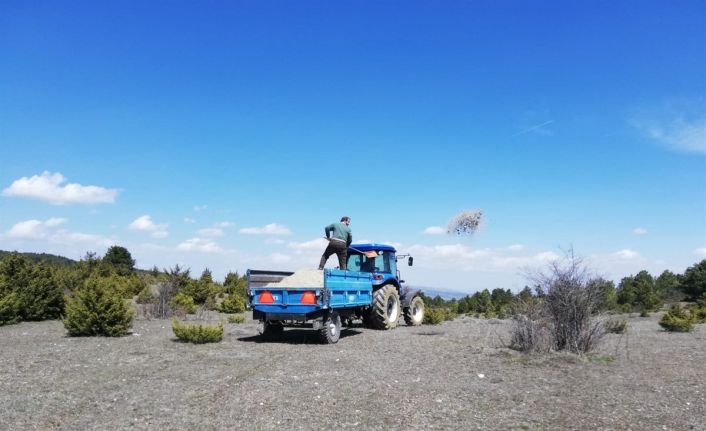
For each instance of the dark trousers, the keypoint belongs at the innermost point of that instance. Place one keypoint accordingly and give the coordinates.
(335, 247)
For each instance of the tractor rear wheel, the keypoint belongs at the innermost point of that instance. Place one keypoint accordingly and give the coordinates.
(330, 332)
(414, 314)
(385, 310)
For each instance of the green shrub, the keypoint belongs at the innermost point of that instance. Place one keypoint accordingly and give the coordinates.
(210, 303)
(237, 318)
(9, 309)
(697, 312)
(184, 302)
(644, 313)
(677, 320)
(37, 294)
(433, 316)
(702, 301)
(232, 304)
(197, 334)
(616, 326)
(489, 314)
(201, 290)
(699, 315)
(145, 296)
(449, 314)
(626, 308)
(97, 308)
(41, 298)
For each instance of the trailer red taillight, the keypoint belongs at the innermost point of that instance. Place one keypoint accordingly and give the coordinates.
(377, 277)
(309, 297)
(266, 298)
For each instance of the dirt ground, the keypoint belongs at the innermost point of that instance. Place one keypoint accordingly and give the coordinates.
(456, 375)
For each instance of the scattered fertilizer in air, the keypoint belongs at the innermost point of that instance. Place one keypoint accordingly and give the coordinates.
(465, 223)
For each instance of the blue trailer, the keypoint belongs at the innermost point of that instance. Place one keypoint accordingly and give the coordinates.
(370, 290)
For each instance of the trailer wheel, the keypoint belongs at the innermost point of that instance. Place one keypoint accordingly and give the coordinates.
(330, 332)
(271, 330)
(414, 314)
(386, 307)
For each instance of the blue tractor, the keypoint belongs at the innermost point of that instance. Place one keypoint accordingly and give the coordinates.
(390, 295)
(370, 290)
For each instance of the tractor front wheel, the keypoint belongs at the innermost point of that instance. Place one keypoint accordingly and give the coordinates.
(385, 311)
(414, 314)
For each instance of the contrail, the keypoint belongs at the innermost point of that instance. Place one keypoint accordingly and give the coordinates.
(535, 127)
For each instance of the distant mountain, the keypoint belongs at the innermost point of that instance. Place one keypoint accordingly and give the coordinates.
(444, 294)
(43, 257)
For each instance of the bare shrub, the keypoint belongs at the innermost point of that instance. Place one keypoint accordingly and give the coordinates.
(530, 331)
(569, 308)
(616, 326)
(161, 306)
(529, 336)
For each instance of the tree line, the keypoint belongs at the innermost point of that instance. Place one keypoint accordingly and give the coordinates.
(40, 287)
(95, 290)
(642, 292)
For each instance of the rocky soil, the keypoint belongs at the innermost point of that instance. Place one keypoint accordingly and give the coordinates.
(457, 375)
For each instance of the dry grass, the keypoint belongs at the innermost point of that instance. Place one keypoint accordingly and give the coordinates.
(411, 377)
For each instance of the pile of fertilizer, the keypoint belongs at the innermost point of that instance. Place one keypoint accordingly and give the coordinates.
(465, 223)
(302, 278)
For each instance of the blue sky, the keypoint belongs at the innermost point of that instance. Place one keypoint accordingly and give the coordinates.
(228, 135)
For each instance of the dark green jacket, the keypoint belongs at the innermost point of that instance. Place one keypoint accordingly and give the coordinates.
(339, 231)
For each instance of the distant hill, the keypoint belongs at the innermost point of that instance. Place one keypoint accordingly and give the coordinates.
(444, 294)
(43, 257)
(54, 259)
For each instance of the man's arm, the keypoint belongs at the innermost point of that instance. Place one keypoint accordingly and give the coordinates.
(327, 231)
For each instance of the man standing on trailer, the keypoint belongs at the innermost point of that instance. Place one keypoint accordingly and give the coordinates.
(339, 238)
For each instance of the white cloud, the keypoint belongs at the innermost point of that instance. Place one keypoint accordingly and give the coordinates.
(33, 229)
(679, 125)
(189, 220)
(73, 238)
(314, 244)
(210, 231)
(55, 221)
(516, 247)
(626, 254)
(280, 258)
(462, 257)
(434, 230)
(275, 241)
(160, 234)
(681, 135)
(269, 229)
(29, 229)
(144, 223)
(700, 252)
(214, 231)
(199, 245)
(48, 187)
(199, 208)
(639, 231)
(44, 230)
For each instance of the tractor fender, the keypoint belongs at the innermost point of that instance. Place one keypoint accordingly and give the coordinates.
(407, 294)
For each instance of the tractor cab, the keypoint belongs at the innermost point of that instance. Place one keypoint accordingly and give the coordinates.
(377, 259)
